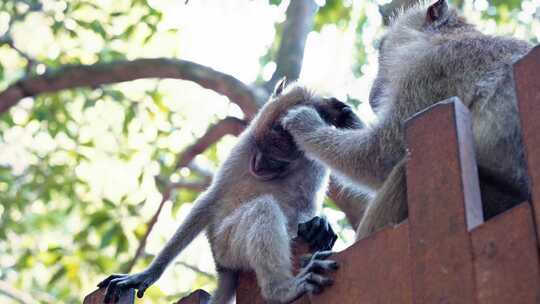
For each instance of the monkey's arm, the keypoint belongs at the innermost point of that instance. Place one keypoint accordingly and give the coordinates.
(366, 156)
(196, 221)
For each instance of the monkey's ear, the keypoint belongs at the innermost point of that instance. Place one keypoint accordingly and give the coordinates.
(280, 86)
(436, 11)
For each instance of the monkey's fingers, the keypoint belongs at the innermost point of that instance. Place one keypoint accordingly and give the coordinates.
(349, 120)
(325, 239)
(113, 292)
(120, 285)
(318, 279)
(310, 229)
(320, 266)
(313, 288)
(314, 283)
(142, 289)
(318, 233)
(304, 260)
(106, 282)
(321, 255)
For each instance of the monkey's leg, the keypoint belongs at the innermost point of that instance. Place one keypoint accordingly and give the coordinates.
(227, 280)
(263, 228)
(389, 205)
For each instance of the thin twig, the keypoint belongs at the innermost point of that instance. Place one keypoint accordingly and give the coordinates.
(16, 294)
(149, 227)
(226, 126)
(195, 186)
(197, 270)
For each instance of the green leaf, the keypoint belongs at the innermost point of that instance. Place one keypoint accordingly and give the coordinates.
(57, 275)
(98, 28)
(333, 12)
(107, 238)
(128, 33)
(99, 218)
(121, 243)
(130, 114)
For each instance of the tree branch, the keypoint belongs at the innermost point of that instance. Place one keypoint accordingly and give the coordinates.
(14, 293)
(149, 227)
(75, 76)
(197, 270)
(229, 125)
(206, 173)
(298, 24)
(194, 186)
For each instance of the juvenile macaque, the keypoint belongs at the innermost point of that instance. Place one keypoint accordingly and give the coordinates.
(427, 55)
(253, 208)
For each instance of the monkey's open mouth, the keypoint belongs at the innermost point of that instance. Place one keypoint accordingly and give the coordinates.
(265, 167)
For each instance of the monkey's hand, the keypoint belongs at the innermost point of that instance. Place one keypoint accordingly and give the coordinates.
(310, 279)
(119, 283)
(338, 114)
(301, 120)
(310, 276)
(318, 233)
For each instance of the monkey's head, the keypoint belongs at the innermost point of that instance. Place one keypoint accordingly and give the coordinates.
(411, 31)
(276, 153)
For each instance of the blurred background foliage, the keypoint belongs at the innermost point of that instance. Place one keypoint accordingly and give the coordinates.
(83, 171)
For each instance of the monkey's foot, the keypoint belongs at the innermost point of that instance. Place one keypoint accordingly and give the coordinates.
(339, 114)
(309, 280)
(117, 284)
(318, 233)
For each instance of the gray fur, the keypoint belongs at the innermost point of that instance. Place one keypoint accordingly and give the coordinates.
(423, 62)
(250, 221)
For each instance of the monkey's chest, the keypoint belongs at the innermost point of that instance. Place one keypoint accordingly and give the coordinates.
(245, 230)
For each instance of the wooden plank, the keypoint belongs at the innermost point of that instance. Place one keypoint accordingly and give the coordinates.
(444, 202)
(506, 259)
(248, 292)
(97, 296)
(375, 270)
(526, 77)
(199, 296)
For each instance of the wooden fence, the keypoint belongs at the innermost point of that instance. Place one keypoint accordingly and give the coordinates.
(445, 252)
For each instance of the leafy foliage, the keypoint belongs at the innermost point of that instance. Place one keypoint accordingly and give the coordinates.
(78, 169)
